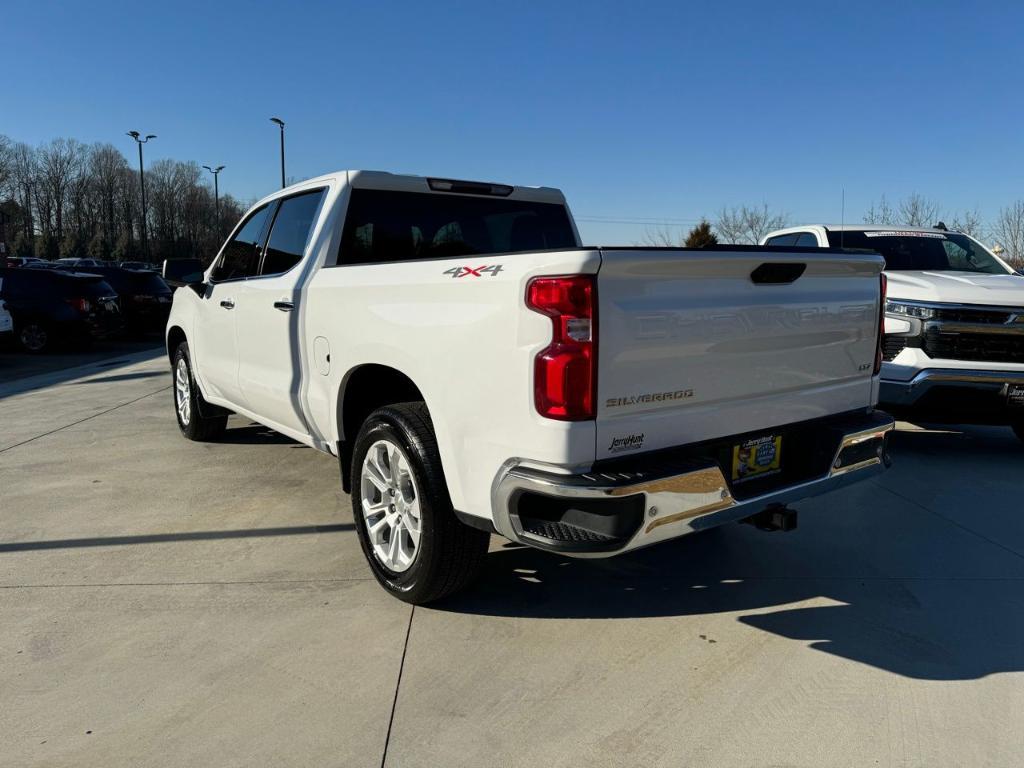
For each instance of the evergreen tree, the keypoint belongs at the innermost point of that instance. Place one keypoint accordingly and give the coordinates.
(701, 236)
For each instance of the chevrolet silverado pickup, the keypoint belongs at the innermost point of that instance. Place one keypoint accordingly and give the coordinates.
(475, 370)
(953, 349)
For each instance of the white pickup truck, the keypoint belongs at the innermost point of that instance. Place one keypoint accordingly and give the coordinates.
(954, 325)
(476, 370)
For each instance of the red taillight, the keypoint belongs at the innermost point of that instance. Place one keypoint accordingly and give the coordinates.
(881, 326)
(82, 305)
(564, 372)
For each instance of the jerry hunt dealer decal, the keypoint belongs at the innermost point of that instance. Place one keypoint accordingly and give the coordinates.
(627, 443)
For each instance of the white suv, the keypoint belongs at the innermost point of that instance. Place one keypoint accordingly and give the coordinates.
(954, 322)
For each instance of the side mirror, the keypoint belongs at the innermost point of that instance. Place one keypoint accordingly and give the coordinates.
(194, 280)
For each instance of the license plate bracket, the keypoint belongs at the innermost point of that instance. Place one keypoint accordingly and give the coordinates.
(756, 458)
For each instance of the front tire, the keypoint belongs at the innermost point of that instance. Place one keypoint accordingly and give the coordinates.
(189, 403)
(416, 547)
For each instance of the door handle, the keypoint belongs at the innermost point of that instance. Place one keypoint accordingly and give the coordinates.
(284, 306)
(228, 303)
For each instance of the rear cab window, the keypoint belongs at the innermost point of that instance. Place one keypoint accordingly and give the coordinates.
(384, 226)
(905, 250)
(794, 239)
(789, 239)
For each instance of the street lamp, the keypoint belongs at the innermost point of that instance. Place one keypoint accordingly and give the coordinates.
(280, 123)
(216, 191)
(142, 183)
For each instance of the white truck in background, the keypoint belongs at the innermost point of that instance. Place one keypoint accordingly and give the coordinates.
(954, 325)
(475, 369)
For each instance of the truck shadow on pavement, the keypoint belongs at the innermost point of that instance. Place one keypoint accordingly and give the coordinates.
(919, 589)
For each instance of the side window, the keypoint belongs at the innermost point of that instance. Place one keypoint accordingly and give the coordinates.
(241, 255)
(807, 240)
(292, 225)
(789, 239)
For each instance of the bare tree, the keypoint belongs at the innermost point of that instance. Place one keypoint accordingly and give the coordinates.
(68, 198)
(968, 222)
(1009, 233)
(746, 226)
(918, 211)
(59, 167)
(660, 237)
(882, 213)
(913, 211)
(25, 173)
(6, 166)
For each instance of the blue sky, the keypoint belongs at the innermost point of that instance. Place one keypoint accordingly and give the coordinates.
(652, 110)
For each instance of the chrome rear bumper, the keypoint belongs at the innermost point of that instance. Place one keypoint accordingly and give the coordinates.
(611, 513)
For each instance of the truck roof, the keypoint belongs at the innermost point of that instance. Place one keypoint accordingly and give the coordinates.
(429, 184)
(858, 228)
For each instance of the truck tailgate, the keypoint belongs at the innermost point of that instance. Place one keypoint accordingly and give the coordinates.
(701, 344)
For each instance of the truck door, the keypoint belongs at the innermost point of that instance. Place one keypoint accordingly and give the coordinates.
(214, 348)
(268, 320)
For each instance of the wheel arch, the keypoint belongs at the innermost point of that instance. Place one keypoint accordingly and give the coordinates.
(175, 335)
(364, 389)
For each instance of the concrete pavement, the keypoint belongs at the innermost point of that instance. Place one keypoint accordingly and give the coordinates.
(171, 603)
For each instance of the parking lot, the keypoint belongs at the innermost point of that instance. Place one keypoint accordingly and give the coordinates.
(167, 602)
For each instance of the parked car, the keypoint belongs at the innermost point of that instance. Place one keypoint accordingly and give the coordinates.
(6, 323)
(476, 370)
(144, 297)
(19, 261)
(54, 307)
(78, 263)
(137, 265)
(954, 327)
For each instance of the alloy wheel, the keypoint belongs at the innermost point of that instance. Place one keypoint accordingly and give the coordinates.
(182, 392)
(391, 505)
(33, 337)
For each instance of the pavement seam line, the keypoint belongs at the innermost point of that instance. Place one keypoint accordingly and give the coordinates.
(398, 685)
(255, 582)
(87, 418)
(103, 585)
(953, 522)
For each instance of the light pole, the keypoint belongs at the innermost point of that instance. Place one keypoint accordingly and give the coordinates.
(216, 191)
(280, 123)
(142, 183)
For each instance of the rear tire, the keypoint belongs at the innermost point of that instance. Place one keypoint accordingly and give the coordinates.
(189, 404)
(416, 547)
(34, 336)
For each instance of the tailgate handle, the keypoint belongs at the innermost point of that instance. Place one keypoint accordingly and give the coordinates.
(777, 273)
